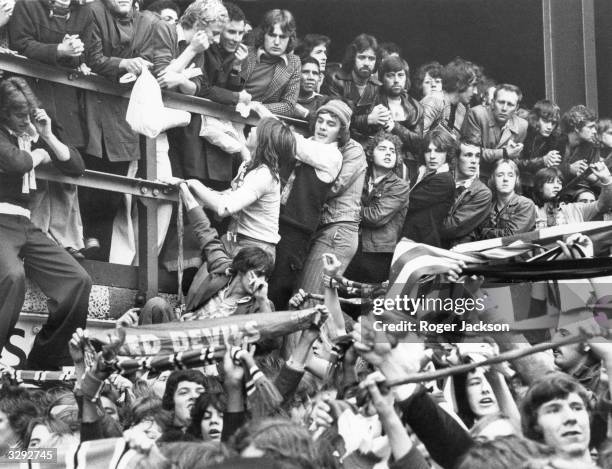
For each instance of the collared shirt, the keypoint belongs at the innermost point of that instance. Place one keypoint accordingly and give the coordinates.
(424, 172)
(24, 142)
(219, 306)
(261, 51)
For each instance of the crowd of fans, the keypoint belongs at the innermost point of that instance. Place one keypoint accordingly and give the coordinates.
(274, 216)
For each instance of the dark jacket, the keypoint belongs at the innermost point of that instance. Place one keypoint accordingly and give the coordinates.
(282, 92)
(532, 157)
(430, 201)
(445, 439)
(517, 216)
(583, 151)
(339, 84)
(192, 156)
(36, 34)
(471, 207)
(14, 163)
(217, 264)
(410, 131)
(382, 213)
(110, 136)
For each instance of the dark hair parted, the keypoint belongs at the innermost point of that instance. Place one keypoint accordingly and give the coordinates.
(444, 142)
(359, 44)
(576, 118)
(175, 378)
(393, 63)
(16, 95)
(458, 75)
(252, 257)
(549, 387)
(286, 21)
(204, 401)
(543, 176)
(275, 142)
(309, 42)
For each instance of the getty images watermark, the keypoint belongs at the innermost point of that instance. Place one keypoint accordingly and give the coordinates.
(530, 311)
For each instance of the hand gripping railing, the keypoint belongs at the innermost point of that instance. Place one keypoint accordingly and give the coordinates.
(146, 277)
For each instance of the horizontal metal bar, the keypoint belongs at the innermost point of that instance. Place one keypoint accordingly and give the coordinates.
(113, 183)
(70, 77)
(125, 276)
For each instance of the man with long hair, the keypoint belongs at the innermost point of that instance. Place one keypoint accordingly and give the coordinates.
(27, 141)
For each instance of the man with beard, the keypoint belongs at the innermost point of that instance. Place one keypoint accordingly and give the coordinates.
(406, 114)
(498, 128)
(355, 81)
(309, 100)
(472, 198)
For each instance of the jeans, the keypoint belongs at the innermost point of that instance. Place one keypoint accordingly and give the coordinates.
(341, 239)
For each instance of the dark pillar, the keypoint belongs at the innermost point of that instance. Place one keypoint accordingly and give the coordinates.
(569, 52)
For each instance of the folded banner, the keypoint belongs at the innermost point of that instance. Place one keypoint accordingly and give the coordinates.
(176, 337)
(600, 233)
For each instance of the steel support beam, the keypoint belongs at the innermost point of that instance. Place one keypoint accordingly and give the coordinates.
(147, 224)
(570, 65)
(112, 182)
(23, 66)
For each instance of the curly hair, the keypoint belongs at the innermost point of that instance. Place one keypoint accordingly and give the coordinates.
(286, 21)
(16, 95)
(175, 378)
(309, 42)
(380, 136)
(19, 409)
(576, 118)
(433, 69)
(202, 13)
(458, 75)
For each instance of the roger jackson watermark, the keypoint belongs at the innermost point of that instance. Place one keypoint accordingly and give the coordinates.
(409, 305)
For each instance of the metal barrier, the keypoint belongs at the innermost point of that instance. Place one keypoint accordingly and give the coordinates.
(146, 276)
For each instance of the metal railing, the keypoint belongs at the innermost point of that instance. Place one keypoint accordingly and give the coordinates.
(146, 277)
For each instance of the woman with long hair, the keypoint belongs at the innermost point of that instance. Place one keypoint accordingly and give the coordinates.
(254, 198)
